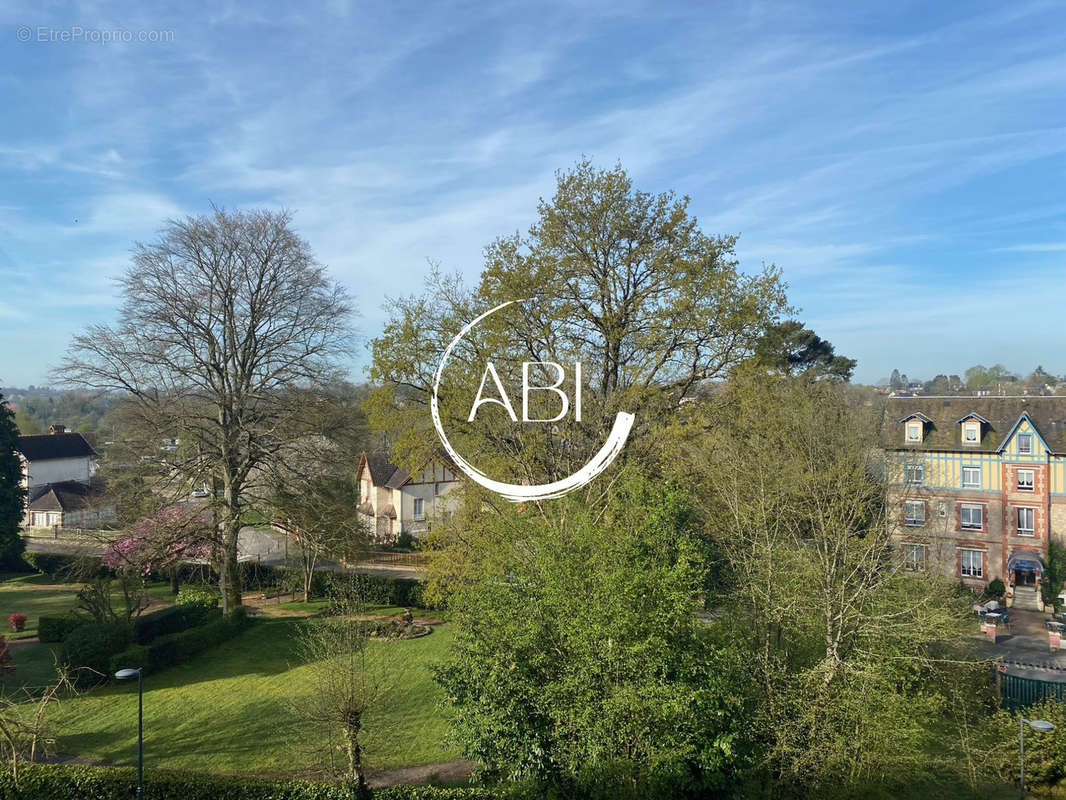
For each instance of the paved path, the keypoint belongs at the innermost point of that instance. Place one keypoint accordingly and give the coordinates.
(1023, 647)
(264, 545)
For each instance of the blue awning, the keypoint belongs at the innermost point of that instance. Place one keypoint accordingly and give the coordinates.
(1025, 560)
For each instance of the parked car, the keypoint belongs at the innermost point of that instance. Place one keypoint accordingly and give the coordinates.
(201, 492)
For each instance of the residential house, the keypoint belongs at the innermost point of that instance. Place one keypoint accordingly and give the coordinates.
(977, 486)
(57, 472)
(395, 502)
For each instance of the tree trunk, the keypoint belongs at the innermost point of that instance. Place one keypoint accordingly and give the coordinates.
(175, 579)
(229, 577)
(355, 755)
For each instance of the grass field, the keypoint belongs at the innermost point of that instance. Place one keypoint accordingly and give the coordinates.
(37, 596)
(231, 710)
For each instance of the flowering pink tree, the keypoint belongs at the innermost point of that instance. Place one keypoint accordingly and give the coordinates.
(162, 541)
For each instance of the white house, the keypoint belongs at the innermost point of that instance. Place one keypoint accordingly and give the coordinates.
(57, 471)
(56, 457)
(394, 502)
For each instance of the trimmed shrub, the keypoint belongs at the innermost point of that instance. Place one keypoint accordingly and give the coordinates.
(90, 647)
(199, 595)
(177, 648)
(65, 567)
(17, 622)
(68, 782)
(56, 629)
(170, 620)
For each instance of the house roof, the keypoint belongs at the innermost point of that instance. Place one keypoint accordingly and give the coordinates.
(64, 496)
(382, 472)
(55, 445)
(1001, 415)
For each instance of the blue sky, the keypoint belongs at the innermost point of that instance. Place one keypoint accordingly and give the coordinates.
(903, 164)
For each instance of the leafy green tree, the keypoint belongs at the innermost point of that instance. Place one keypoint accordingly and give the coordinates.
(792, 349)
(849, 659)
(621, 280)
(982, 377)
(12, 493)
(577, 654)
(1054, 574)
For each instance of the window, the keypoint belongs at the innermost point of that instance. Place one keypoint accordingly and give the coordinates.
(914, 431)
(1025, 443)
(1026, 521)
(914, 474)
(419, 508)
(913, 512)
(914, 557)
(971, 517)
(53, 519)
(969, 432)
(941, 508)
(972, 563)
(971, 477)
(436, 490)
(1025, 480)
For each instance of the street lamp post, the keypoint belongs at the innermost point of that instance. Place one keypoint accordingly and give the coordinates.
(122, 675)
(1037, 725)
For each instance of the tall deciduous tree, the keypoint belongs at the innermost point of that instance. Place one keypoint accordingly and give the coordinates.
(227, 322)
(851, 659)
(12, 493)
(621, 280)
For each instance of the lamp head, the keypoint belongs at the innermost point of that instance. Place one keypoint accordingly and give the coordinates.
(123, 674)
(1040, 725)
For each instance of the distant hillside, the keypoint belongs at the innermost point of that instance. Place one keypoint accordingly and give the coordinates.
(37, 408)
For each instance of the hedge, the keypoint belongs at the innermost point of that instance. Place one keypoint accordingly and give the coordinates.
(91, 646)
(65, 567)
(174, 619)
(67, 782)
(56, 629)
(379, 589)
(177, 648)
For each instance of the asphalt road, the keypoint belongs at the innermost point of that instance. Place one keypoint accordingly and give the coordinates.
(265, 545)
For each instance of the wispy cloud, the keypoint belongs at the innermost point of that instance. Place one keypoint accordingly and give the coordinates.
(889, 169)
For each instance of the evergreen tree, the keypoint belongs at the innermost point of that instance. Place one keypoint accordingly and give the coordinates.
(12, 494)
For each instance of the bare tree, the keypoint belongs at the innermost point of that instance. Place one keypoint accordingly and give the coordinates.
(24, 731)
(347, 682)
(227, 322)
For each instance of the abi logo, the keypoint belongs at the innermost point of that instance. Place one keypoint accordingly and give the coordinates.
(504, 400)
(623, 423)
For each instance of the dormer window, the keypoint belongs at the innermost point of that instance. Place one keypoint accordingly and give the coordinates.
(914, 428)
(914, 431)
(1025, 443)
(971, 428)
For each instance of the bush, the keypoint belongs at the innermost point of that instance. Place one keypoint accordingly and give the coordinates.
(198, 595)
(995, 589)
(17, 622)
(67, 782)
(92, 645)
(65, 567)
(56, 629)
(1045, 753)
(171, 620)
(177, 648)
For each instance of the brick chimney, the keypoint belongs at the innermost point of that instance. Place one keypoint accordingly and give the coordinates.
(57, 429)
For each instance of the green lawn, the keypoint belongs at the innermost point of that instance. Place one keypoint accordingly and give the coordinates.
(231, 710)
(36, 596)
